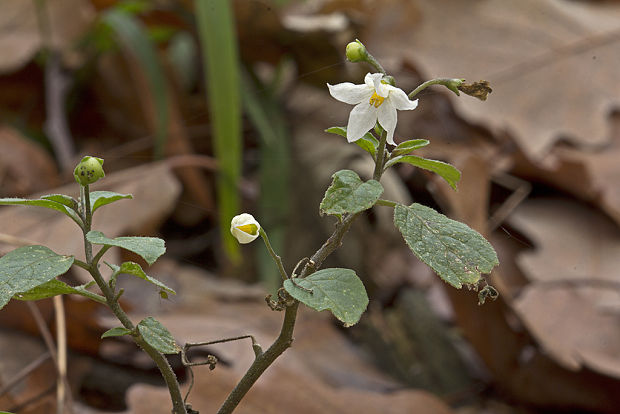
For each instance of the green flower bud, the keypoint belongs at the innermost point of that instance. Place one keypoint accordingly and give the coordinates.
(356, 51)
(89, 170)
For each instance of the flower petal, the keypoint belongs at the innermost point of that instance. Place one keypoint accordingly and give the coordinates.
(350, 93)
(400, 100)
(361, 119)
(387, 118)
(371, 79)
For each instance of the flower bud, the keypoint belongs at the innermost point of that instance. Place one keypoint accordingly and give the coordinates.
(356, 51)
(89, 170)
(245, 228)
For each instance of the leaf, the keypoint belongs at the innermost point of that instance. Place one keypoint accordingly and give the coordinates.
(408, 146)
(457, 253)
(149, 248)
(220, 58)
(446, 171)
(134, 38)
(156, 335)
(348, 194)
(337, 290)
(43, 202)
(118, 331)
(131, 268)
(55, 287)
(28, 267)
(101, 198)
(70, 202)
(368, 142)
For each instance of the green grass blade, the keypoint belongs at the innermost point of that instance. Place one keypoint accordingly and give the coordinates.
(133, 36)
(221, 65)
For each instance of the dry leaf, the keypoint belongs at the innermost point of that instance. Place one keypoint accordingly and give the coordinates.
(552, 64)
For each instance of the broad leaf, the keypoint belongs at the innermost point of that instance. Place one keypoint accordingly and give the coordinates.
(368, 142)
(156, 335)
(50, 201)
(337, 290)
(28, 267)
(118, 331)
(149, 248)
(131, 268)
(457, 253)
(408, 146)
(349, 194)
(446, 171)
(55, 287)
(101, 198)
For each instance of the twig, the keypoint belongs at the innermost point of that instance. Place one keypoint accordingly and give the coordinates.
(27, 370)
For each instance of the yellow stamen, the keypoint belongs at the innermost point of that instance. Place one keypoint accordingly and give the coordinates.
(249, 228)
(376, 100)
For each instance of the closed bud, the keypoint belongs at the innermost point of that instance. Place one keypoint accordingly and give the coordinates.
(89, 170)
(356, 51)
(245, 228)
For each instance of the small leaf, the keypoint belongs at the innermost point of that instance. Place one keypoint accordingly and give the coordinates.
(368, 142)
(28, 267)
(337, 290)
(446, 171)
(55, 287)
(51, 203)
(62, 199)
(457, 253)
(131, 268)
(348, 194)
(101, 198)
(156, 335)
(118, 331)
(408, 146)
(149, 248)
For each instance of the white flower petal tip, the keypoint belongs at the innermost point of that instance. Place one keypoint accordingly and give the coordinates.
(244, 228)
(374, 101)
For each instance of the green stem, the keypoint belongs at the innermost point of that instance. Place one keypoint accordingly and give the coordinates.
(449, 83)
(273, 254)
(380, 159)
(112, 302)
(375, 64)
(386, 203)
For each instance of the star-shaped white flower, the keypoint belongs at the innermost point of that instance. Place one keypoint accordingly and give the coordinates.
(374, 101)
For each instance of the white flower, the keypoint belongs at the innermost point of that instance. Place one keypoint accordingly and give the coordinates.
(373, 100)
(245, 228)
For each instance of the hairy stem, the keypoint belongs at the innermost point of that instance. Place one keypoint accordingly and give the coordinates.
(178, 407)
(447, 82)
(380, 157)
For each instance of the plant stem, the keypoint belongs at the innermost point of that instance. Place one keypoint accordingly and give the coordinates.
(375, 64)
(380, 157)
(178, 407)
(273, 254)
(447, 82)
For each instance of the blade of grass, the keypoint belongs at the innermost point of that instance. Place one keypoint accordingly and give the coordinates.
(266, 116)
(133, 37)
(221, 66)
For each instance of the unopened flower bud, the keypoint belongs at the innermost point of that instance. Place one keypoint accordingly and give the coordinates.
(89, 170)
(453, 85)
(356, 51)
(245, 228)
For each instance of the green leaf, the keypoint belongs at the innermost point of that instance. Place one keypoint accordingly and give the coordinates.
(457, 253)
(51, 203)
(62, 199)
(368, 142)
(55, 287)
(101, 198)
(131, 268)
(220, 58)
(337, 290)
(134, 38)
(348, 194)
(446, 171)
(408, 146)
(149, 248)
(28, 267)
(118, 331)
(156, 335)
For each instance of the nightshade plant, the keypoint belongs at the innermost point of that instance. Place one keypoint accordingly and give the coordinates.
(458, 254)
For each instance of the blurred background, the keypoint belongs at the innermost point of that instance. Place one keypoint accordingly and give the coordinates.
(204, 109)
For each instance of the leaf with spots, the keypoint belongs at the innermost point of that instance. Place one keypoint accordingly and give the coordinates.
(349, 194)
(156, 335)
(457, 253)
(28, 267)
(337, 290)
